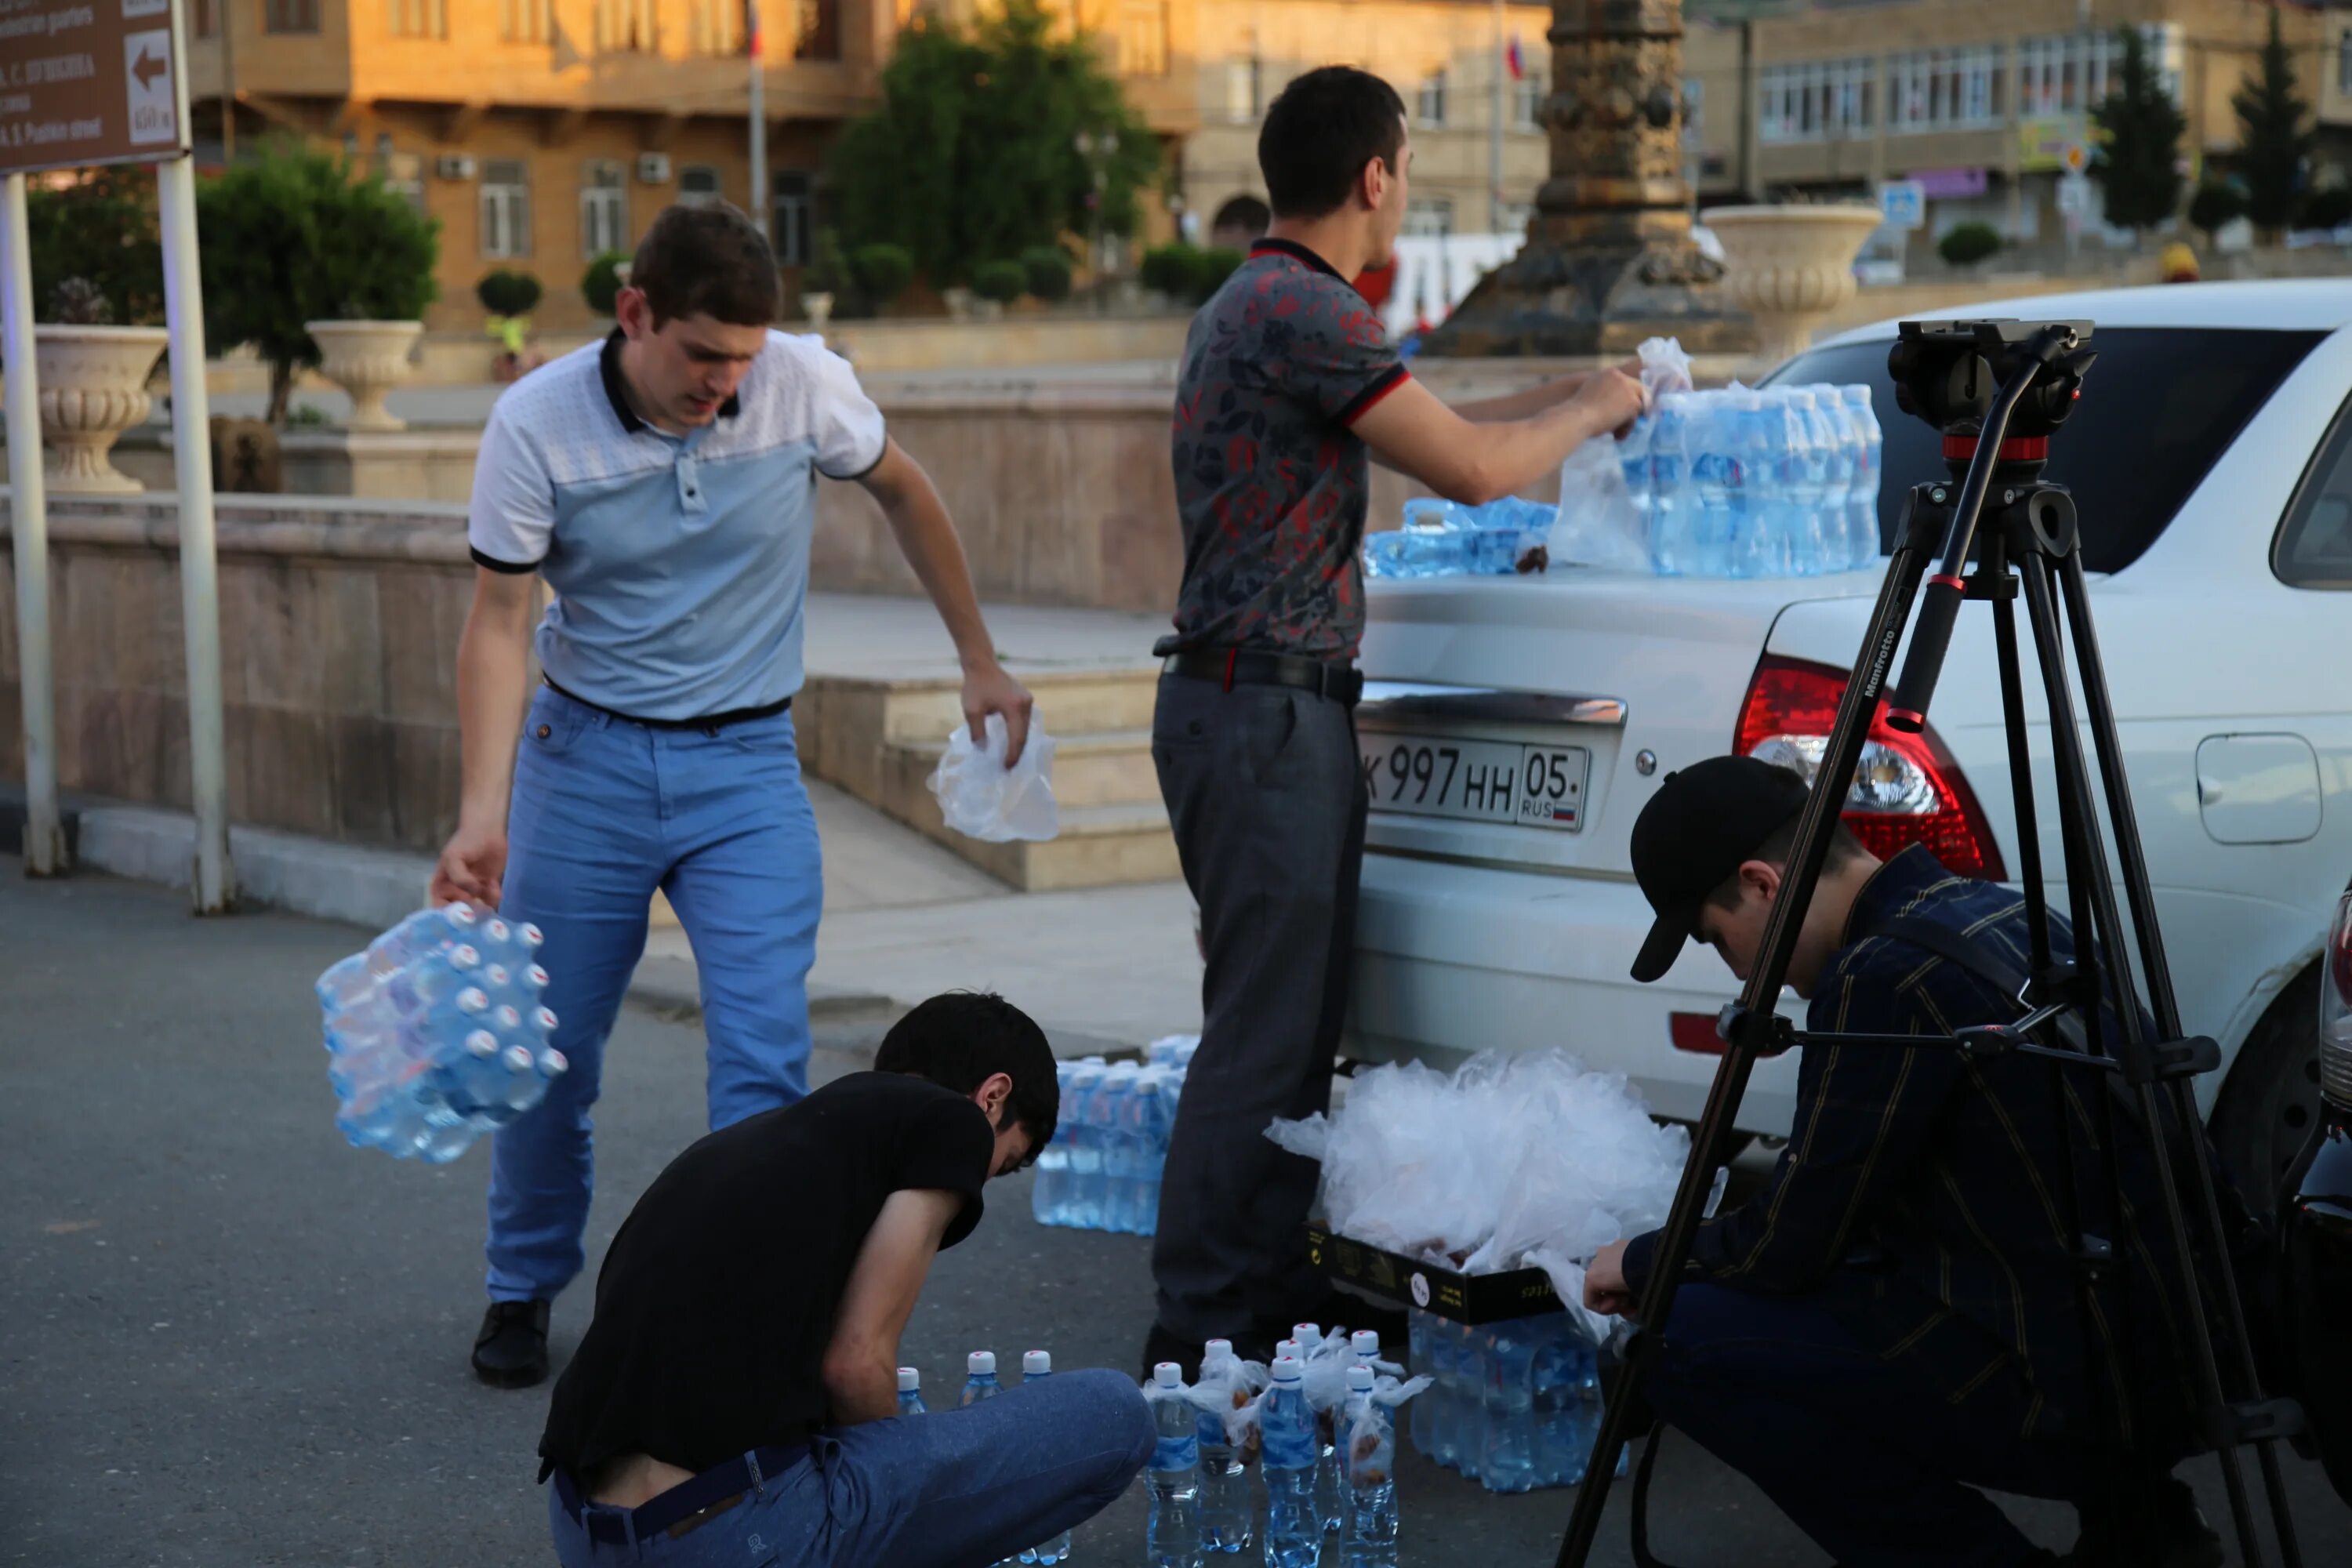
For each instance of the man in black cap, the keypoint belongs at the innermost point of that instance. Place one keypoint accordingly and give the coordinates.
(1894, 1319)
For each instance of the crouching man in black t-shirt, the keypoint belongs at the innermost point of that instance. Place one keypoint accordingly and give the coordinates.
(735, 1398)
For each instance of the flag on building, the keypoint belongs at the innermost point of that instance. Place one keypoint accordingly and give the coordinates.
(1511, 58)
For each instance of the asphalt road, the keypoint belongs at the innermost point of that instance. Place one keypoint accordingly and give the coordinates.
(227, 1338)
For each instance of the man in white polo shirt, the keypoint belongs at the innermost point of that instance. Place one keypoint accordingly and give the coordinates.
(664, 483)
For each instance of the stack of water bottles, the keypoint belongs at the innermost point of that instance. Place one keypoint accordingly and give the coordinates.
(1102, 1170)
(1515, 1406)
(435, 1033)
(1445, 539)
(1776, 481)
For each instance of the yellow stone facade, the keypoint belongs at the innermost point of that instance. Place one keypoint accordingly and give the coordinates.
(543, 131)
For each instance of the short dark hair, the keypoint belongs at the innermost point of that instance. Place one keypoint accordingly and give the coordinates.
(1844, 849)
(707, 261)
(963, 1039)
(1320, 131)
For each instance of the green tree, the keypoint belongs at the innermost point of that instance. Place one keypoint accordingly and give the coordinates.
(1969, 243)
(101, 230)
(1048, 268)
(2216, 206)
(2137, 165)
(293, 237)
(2273, 139)
(973, 149)
(2328, 208)
(881, 271)
(601, 284)
(1003, 281)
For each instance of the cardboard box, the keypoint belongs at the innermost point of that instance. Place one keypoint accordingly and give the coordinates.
(1447, 1292)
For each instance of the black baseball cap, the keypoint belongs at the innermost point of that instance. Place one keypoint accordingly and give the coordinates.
(1704, 820)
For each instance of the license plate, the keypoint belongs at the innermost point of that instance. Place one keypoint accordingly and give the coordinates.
(1476, 780)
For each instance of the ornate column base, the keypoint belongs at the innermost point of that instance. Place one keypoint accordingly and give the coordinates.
(1582, 287)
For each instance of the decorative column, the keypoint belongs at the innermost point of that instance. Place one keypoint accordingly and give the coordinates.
(1609, 259)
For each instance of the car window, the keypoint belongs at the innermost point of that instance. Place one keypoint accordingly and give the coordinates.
(2158, 407)
(2313, 549)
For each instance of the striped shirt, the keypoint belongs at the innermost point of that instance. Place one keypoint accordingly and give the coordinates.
(1922, 1195)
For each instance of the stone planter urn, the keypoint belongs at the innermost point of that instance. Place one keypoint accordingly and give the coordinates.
(819, 306)
(959, 302)
(1789, 267)
(93, 388)
(367, 360)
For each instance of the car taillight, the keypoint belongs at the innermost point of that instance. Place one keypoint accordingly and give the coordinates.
(2336, 1009)
(1907, 789)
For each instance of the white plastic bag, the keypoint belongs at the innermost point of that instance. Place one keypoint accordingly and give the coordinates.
(1665, 368)
(983, 799)
(1598, 523)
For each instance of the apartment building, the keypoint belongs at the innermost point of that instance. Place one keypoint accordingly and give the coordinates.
(541, 132)
(1979, 100)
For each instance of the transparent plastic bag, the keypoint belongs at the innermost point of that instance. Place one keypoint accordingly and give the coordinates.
(981, 798)
(1600, 522)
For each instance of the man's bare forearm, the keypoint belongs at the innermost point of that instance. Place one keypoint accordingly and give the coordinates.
(927, 537)
(867, 1392)
(493, 683)
(1525, 404)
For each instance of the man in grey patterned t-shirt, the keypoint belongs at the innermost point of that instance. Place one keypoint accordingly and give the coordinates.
(1290, 384)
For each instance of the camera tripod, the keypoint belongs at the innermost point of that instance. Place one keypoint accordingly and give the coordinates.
(1998, 390)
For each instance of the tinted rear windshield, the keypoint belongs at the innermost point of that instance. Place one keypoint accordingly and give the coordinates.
(2158, 407)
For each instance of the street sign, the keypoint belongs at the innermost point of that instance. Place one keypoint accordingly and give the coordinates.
(2075, 158)
(93, 82)
(2074, 196)
(1902, 204)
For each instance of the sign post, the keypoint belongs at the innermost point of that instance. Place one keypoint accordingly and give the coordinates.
(45, 834)
(101, 83)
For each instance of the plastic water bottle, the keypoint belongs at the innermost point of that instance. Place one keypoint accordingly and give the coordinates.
(1418, 1348)
(1294, 1532)
(1049, 1194)
(1745, 442)
(1672, 514)
(1862, 494)
(1143, 1127)
(1083, 1208)
(1509, 1461)
(1364, 1346)
(1562, 1443)
(1816, 498)
(1119, 1152)
(1800, 468)
(1720, 484)
(1369, 1538)
(1633, 458)
(1835, 432)
(910, 1393)
(1172, 1534)
(1470, 1399)
(980, 1381)
(1226, 1510)
(1325, 1393)
(1035, 1366)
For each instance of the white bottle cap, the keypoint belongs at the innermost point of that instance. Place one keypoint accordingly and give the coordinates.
(517, 1058)
(482, 1043)
(1365, 1343)
(531, 935)
(909, 1379)
(1292, 1349)
(1168, 1374)
(544, 1019)
(980, 1363)
(496, 975)
(464, 956)
(472, 1000)
(508, 1019)
(1360, 1378)
(1288, 1368)
(495, 929)
(1036, 1363)
(554, 1062)
(460, 915)
(535, 977)
(1216, 1349)
(1308, 1334)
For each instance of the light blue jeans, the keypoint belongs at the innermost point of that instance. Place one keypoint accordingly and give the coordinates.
(605, 812)
(956, 1489)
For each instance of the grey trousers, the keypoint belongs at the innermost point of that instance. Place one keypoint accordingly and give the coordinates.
(1268, 801)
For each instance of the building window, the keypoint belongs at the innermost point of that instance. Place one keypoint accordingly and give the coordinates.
(403, 174)
(1527, 102)
(604, 207)
(717, 28)
(2073, 74)
(419, 19)
(522, 21)
(792, 214)
(1242, 105)
(1143, 37)
(1944, 90)
(290, 17)
(1822, 100)
(698, 185)
(1429, 103)
(206, 22)
(506, 208)
(817, 30)
(626, 27)
(1429, 219)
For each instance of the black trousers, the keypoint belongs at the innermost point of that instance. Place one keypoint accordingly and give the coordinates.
(1268, 803)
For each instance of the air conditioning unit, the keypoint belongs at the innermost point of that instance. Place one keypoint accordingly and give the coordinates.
(653, 168)
(454, 166)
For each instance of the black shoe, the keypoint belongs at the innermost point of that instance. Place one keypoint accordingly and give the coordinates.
(1161, 1345)
(511, 1350)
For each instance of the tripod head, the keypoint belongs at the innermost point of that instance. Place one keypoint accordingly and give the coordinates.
(1951, 372)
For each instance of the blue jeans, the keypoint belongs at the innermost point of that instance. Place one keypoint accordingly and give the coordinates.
(605, 812)
(956, 1489)
(1859, 1454)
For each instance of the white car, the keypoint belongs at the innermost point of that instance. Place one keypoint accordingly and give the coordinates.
(2210, 458)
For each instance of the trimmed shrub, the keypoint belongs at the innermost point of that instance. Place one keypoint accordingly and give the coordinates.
(1969, 243)
(1003, 281)
(1047, 269)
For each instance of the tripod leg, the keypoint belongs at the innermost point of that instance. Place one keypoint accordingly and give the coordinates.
(1758, 998)
(2092, 873)
(2164, 1005)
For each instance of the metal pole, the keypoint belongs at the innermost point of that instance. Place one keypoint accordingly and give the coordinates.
(213, 884)
(224, 17)
(1495, 134)
(761, 205)
(45, 836)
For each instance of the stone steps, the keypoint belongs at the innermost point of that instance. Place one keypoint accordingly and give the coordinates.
(881, 738)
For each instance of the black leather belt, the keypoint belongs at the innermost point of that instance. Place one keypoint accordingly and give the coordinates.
(686, 1506)
(710, 722)
(1339, 682)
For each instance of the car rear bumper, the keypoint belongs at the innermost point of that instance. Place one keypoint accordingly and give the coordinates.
(1453, 959)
